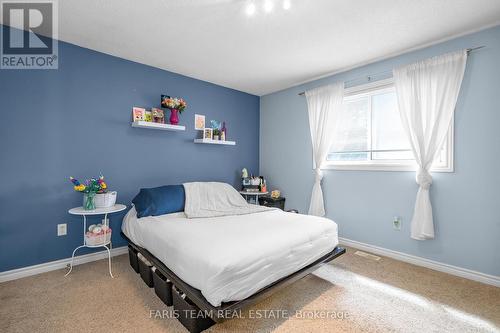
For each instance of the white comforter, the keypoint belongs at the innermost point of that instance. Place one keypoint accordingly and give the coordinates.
(211, 199)
(231, 257)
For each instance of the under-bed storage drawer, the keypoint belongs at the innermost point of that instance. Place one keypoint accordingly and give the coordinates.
(132, 257)
(189, 314)
(163, 287)
(145, 269)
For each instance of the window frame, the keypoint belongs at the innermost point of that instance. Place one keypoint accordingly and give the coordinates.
(394, 165)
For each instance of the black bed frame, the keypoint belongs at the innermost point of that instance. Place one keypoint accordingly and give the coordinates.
(217, 312)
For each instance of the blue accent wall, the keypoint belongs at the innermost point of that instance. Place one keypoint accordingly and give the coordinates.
(75, 121)
(466, 202)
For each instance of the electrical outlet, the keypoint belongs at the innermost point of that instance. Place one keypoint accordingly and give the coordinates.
(396, 223)
(61, 229)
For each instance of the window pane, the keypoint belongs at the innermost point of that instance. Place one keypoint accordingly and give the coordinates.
(352, 133)
(387, 130)
(370, 133)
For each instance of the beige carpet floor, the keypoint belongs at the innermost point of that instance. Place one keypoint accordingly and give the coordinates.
(353, 293)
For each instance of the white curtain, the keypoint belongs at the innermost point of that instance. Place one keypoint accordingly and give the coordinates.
(323, 105)
(427, 94)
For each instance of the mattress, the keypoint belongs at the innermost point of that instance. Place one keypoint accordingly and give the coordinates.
(230, 258)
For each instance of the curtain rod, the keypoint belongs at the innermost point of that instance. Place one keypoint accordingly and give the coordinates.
(369, 77)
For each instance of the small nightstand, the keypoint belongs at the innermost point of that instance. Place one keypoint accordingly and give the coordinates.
(268, 201)
(98, 211)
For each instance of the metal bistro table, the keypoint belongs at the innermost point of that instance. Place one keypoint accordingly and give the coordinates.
(98, 211)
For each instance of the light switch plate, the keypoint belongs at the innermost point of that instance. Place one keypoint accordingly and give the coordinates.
(62, 229)
(396, 223)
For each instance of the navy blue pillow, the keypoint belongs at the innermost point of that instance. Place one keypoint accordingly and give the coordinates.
(159, 200)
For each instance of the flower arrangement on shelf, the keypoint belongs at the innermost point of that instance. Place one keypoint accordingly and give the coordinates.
(175, 105)
(91, 187)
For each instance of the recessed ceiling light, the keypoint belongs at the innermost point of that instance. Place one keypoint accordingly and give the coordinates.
(268, 6)
(250, 9)
(286, 4)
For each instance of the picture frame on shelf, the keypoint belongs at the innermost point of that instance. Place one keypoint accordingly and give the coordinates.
(138, 113)
(158, 115)
(199, 122)
(148, 116)
(207, 133)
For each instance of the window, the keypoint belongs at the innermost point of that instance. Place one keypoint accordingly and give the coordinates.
(370, 135)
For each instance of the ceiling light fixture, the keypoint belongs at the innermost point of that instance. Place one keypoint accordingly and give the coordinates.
(286, 4)
(250, 9)
(268, 6)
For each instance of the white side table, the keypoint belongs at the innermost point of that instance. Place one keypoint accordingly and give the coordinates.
(98, 211)
(252, 196)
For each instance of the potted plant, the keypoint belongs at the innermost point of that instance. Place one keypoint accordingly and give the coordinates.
(175, 105)
(216, 134)
(89, 189)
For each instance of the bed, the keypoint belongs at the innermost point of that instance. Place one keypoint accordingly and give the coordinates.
(232, 257)
(234, 254)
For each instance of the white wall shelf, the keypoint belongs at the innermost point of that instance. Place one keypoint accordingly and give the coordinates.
(215, 142)
(163, 127)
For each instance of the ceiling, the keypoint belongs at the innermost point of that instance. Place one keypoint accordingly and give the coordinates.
(216, 41)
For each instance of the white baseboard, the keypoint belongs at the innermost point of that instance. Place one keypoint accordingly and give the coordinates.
(419, 261)
(58, 264)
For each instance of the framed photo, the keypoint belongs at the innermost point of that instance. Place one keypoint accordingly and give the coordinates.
(147, 116)
(199, 122)
(158, 116)
(207, 133)
(138, 113)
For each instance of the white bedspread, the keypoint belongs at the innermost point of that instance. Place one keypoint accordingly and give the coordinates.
(230, 258)
(212, 199)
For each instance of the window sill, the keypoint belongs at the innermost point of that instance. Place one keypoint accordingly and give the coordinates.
(381, 167)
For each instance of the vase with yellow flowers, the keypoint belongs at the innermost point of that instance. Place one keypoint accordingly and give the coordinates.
(90, 188)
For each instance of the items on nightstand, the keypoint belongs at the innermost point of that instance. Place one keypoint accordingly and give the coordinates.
(252, 187)
(98, 234)
(244, 173)
(95, 193)
(252, 184)
(263, 185)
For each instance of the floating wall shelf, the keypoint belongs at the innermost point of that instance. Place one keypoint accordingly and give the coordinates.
(215, 142)
(163, 127)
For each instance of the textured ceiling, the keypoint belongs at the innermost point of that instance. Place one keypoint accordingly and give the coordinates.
(216, 41)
